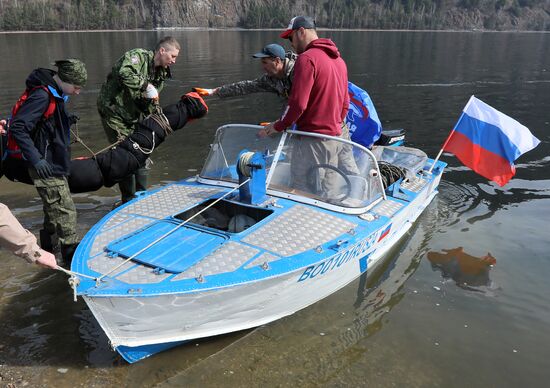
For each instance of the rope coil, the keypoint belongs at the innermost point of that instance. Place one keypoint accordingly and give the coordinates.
(244, 163)
(391, 173)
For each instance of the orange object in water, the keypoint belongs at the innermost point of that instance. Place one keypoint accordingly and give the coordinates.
(201, 91)
(466, 270)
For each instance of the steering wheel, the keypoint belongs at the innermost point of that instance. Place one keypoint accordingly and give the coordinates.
(314, 184)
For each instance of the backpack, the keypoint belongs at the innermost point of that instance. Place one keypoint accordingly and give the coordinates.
(12, 148)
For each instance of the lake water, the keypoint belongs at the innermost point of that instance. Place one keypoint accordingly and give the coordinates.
(429, 316)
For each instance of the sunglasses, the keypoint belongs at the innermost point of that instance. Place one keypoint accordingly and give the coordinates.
(290, 37)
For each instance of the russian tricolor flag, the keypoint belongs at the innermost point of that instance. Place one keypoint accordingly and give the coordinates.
(385, 232)
(488, 141)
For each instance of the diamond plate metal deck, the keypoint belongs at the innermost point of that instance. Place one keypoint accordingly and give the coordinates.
(142, 274)
(263, 258)
(170, 200)
(415, 184)
(297, 230)
(227, 258)
(387, 208)
(103, 264)
(117, 232)
(115, 220)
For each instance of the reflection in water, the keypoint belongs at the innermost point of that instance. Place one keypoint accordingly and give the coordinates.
(468, 272)
(488, 197)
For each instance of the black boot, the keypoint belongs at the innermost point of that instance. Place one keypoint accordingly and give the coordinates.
(67, 252)
(46, 240)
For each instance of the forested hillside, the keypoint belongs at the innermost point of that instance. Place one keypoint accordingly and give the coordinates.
(378, 14)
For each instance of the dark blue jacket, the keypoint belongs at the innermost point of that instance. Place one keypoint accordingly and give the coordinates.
(41, 138)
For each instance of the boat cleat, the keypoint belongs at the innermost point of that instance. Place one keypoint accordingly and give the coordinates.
(339, 244)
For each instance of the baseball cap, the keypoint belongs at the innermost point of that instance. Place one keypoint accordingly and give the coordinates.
(272, 50)
(298, 22)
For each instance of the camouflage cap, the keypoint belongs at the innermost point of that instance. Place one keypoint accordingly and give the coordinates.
(72, 71)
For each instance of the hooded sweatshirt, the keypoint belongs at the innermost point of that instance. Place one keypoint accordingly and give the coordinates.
(319, 98)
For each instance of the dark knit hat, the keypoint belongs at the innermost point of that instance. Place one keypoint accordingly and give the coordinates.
(72, 71)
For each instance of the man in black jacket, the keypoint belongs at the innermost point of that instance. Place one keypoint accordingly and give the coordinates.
(41, 129)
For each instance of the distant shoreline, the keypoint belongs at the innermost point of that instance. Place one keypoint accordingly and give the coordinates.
(167, 29)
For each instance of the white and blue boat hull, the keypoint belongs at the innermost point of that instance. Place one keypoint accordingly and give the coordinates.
(200, 282)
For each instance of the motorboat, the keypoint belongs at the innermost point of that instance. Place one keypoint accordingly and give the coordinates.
(270, 226)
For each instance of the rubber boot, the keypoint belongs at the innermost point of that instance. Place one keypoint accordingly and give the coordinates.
(48, 241)
(127, 188)
(67, 252)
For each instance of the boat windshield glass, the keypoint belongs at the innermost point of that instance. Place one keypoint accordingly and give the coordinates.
(230, 141)
(320, 169)
(326, 169)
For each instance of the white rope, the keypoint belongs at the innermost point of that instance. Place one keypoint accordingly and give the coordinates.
(74, 280)
(144, 150)
(243, 164)
(168, 233)
(71, 273)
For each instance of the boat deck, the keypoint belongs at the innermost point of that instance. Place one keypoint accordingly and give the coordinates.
(291, 230)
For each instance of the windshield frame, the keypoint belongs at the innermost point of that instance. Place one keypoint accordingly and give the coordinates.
(296, 197)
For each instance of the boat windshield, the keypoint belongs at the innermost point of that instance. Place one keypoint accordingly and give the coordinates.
(230, 140)
(301, 166)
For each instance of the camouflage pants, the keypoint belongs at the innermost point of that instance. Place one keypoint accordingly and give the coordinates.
(59, 209)
(115, 129)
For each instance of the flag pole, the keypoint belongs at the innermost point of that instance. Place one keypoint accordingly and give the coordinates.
(442, 148)
(449, 137)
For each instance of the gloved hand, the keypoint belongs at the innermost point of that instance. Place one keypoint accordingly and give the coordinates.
(151, 92)
(204, 92)
(73, 119)
(43, 169)
(195, 105)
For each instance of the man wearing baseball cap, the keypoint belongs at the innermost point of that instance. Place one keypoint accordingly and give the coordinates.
(278, 67)
(296, 23)
(40, 126)
(318, 101)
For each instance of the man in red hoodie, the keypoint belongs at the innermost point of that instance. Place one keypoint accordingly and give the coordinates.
(318, 102)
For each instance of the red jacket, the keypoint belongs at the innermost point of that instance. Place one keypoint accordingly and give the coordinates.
(319, 98)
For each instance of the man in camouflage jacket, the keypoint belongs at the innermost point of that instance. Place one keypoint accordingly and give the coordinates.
(130, 93)
(278, 69)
